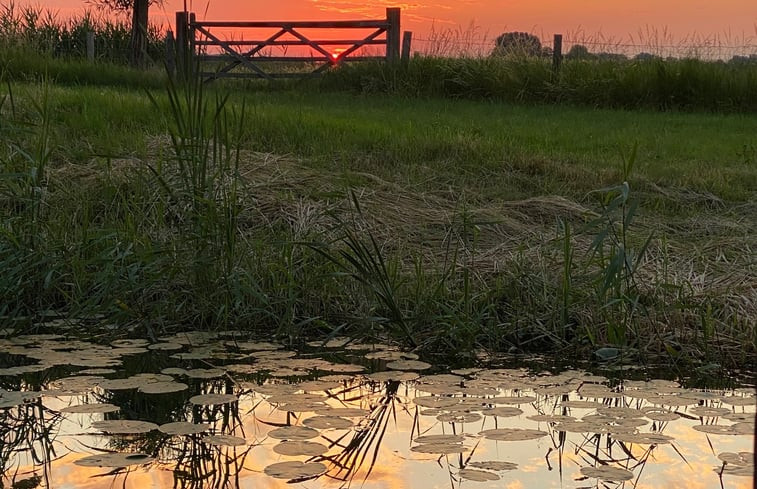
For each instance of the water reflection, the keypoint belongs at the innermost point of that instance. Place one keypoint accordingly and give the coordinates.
(200, 410)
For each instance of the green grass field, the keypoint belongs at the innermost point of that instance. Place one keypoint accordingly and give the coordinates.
(477, 147)
(451, 225)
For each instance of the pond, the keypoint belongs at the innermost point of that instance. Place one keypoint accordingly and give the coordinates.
(215, 410)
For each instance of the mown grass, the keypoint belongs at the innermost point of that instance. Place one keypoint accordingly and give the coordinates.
(452, 225)
(483, 149)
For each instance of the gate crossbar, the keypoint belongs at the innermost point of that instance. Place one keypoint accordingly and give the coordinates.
(249, 58)
(247, 54)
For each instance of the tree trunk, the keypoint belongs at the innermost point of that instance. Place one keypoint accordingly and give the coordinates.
(139, 33)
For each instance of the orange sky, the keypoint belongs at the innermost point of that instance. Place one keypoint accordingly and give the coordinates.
(729, 21)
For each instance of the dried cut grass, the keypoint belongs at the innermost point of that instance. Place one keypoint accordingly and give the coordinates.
(705, 259)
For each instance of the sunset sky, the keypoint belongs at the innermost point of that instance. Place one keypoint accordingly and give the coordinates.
(728, 21)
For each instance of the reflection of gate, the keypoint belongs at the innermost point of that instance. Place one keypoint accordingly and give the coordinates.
(256, 58)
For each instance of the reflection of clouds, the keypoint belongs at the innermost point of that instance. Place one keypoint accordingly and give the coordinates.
(533, 465)
(389, 471)
(66, 475)
(701, 476)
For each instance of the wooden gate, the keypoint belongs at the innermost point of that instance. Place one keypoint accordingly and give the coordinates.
(243, 58)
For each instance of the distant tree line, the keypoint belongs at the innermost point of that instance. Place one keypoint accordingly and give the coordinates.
(529, 45)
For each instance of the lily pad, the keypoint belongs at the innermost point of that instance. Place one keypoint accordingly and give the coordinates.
(478, 475)
(90, 408)
(494, 465)
(165, 346)
(293, 433)
(739, 401)
(439, 448)
(711, 412)
(502, 411)
(213, 399)
(436, 402)
(512, 434)
(643, 438)
(607, 473)
(114, 460)
(124, 426)
(296, 448)
(716, 429)
(224, 440)
(390, 355)
(121, 384)
(440, 439)
(459, 417)
(183, 428)
(737, 470)
(328, 422)
(255, 345)
(295, 470)
(126, 343)
(741, 459)
(173, 371)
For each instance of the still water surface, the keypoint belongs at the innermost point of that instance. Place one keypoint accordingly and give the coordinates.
(202, 410)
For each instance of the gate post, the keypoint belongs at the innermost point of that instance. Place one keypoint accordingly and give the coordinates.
(191, 34)
(170, 48)
(557, 53)
(393, 34)
(90, 46)
(181, 43)
(407, 38)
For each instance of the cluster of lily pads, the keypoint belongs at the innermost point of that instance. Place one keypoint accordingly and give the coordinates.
(303, 387)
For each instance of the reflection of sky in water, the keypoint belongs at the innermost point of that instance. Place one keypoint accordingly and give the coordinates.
(397, 467)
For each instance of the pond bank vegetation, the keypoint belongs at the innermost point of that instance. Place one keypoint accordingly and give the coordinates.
(181, 223)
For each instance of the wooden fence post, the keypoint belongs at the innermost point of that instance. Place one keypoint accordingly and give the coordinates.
(170, 54)
(407, 39)
(90, 46)
(191, 35)
(393, 34)
(557, 53)
(181, 42)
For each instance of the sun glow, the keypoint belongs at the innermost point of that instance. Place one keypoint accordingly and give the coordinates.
(680, 18)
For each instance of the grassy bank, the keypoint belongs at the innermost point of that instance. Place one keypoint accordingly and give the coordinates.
(454, 226)
(659, 84)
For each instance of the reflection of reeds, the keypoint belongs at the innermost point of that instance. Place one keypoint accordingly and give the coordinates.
(197, 465)
(363, 447)
(194, 464)
(28, 429)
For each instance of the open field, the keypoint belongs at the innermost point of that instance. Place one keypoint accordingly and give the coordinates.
(450, 225)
